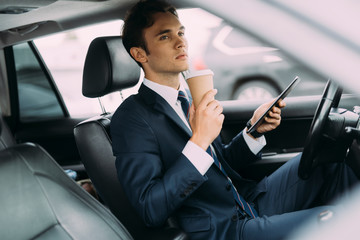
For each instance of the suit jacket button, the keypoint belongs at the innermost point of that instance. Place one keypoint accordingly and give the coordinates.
(228, 187)
(234, 218)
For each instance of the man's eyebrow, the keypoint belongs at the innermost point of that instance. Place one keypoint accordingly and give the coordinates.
(168, 30)
(163, 32)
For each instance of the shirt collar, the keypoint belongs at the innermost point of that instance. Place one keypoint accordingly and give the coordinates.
(168, 93)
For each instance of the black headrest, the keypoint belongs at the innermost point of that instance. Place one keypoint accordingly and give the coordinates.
(108, 68)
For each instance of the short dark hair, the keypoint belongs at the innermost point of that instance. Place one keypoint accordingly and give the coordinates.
(139, 17)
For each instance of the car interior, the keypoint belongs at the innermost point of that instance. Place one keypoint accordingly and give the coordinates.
(47, 184)
(39, 200)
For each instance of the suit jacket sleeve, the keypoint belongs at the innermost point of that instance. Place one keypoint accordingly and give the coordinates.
(154, 190)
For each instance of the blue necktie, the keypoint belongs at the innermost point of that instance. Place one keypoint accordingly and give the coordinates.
(185, 105)
(238, 198)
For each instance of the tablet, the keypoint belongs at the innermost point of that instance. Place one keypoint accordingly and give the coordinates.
(282, 95)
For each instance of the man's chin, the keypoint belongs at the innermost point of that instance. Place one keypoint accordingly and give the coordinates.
(184, 68)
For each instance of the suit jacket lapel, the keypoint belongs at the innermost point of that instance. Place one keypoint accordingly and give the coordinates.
(159, 104)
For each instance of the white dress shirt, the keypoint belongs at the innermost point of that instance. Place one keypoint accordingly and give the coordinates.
(196, 155)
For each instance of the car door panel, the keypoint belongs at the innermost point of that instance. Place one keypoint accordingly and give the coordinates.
(56, 136)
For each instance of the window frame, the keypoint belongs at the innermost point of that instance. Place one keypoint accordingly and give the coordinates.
(13, 84)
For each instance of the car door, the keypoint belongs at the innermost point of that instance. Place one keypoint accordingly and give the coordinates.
(287, 140)
(38, 113)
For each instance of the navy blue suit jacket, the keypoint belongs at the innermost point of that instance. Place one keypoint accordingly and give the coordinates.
(148, 139)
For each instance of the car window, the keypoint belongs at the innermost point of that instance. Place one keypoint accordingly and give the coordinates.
(65, 53)
(245, 68)
(37, 99)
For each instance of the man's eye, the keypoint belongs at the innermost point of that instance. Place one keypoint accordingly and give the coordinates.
(181, 34)
(164, 37)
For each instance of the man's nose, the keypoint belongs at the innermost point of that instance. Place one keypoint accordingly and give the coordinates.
(181, 42)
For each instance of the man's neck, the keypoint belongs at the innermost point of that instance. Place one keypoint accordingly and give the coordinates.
(170, 80)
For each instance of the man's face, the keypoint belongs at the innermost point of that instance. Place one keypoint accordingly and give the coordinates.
(166, 44)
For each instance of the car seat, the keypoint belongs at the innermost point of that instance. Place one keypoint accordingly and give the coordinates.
(6, 137)
(39, 201)
(108, 68)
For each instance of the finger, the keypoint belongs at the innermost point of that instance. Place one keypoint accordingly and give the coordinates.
(274, 115)
(213, 104)
(272, 120)
(207, 98)
(219, 109)
(275, 110)
(281, 104)
(221, 118)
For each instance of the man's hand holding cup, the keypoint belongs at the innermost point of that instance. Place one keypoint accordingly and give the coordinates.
(206, 116)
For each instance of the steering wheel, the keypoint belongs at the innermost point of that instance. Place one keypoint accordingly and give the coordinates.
(330, 98)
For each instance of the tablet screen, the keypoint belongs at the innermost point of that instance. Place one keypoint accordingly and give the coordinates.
(282, 95)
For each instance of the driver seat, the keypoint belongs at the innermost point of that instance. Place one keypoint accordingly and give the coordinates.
(109, 68)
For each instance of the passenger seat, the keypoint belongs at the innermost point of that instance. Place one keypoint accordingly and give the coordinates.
(39, 201)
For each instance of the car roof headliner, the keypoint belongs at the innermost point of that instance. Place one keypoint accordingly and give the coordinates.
(21, 20)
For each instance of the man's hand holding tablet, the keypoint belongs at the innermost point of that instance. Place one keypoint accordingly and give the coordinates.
(267, 117)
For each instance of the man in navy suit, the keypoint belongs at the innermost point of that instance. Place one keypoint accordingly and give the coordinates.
(171, 166)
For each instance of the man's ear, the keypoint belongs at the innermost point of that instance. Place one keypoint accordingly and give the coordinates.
(138, 54)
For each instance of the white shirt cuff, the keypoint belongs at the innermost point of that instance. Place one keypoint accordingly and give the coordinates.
(254, 145)
(198, 157)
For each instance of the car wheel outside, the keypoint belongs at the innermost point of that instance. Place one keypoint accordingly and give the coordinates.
(255, 90)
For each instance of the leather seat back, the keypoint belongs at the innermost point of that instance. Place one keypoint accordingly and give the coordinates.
(39, 201)
(106, 72)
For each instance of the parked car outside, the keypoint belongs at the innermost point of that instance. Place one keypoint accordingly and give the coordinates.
(245, 67)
